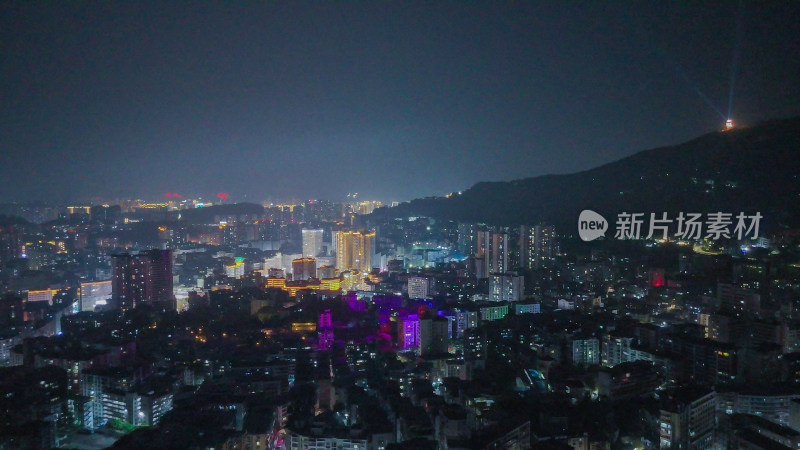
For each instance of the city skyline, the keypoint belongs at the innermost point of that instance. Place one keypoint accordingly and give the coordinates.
(394, 225)
(394, 101)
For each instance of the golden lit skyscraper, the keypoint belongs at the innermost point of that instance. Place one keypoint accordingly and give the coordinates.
(354, 250)
(343, 249)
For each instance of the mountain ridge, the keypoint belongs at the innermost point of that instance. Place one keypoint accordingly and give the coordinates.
(753, 169)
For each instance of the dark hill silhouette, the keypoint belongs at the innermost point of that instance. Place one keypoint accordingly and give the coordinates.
(748, 169)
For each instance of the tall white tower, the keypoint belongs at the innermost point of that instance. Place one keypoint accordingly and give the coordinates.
(312, 243)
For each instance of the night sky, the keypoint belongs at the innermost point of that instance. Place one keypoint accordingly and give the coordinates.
(394, 100)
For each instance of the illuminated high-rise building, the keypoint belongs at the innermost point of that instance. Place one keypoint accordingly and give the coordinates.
(467, 238)
(687, 419)
(142, 278)
(312, 243)
(538, 245)
(354, 250)
(128, 275)
(325, 331)
(585, 352)
(465, 320)
(304, 268)
(492, 246)
(506, 287)
(408, 332)
(420, 287)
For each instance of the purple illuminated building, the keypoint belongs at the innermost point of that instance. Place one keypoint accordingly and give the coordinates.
(325, 331)
(408, 332)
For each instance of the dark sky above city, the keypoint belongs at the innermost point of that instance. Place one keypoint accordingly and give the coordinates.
(394, 100)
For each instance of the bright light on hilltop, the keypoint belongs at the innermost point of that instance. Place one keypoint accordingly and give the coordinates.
(728, 125)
